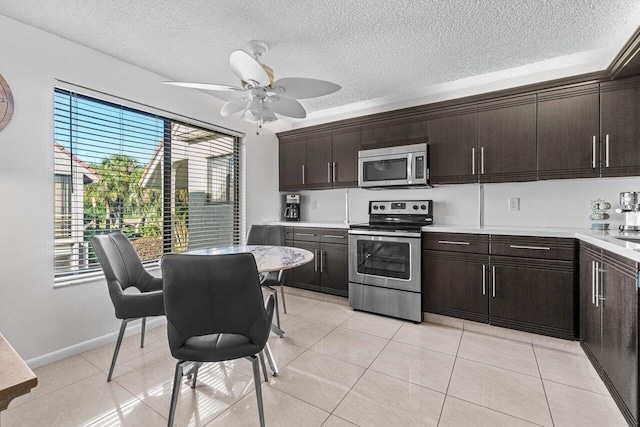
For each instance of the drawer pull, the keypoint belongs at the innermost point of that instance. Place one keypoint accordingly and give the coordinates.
(447, 242)
(333, 236)
(539, 248)
(306, 234)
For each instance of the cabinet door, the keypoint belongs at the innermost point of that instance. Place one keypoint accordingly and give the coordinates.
(619, 306)
(308, 275)
(455, 285)
(318, 169)
(507, 139)
(334, 268)
(346, 144)
(453, 151)
(390, 132)
(292, 159)
(590, 332)
(533, 295)
(568, 133)
(620, 114)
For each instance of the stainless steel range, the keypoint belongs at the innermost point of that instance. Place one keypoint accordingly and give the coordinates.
(384, 259)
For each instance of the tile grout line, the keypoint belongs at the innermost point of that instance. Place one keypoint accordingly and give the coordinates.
(446, 392)
(544, 389)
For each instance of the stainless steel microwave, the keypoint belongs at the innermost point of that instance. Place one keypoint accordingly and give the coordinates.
(404, 166)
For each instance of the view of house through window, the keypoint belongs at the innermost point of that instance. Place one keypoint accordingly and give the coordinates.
(169, 186)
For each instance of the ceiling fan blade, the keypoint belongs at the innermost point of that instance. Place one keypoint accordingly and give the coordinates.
(233, 107)
(288, 107)
(301, 88)
(247, 68)
(206, 86)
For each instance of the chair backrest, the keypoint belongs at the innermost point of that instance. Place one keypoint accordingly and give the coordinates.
(266, 235)
(210, 294)
(121, 265)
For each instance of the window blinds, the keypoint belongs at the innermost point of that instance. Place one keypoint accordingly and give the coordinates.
(168, 185)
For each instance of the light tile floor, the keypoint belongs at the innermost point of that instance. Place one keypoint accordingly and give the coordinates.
(337, 368)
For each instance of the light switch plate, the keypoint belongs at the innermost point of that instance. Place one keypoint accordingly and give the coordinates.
(514, 204)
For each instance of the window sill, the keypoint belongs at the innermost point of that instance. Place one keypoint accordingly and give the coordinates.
(63, 282)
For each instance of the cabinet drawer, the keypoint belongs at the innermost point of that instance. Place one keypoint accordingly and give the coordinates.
(303, 234)
(334, 235)
(288, 233)
(534, 247)
(456, 242)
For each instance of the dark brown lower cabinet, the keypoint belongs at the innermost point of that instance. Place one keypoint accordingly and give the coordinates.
(609, 323)
(454, 284)
(464, 279)
(329, 271)
(533, 295)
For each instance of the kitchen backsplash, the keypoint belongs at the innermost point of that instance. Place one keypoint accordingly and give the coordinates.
(562, 203)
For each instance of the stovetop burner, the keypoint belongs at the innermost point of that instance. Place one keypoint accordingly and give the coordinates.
(398, 215)
(388, 227)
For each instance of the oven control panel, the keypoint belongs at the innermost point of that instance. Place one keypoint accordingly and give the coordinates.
(401, 207)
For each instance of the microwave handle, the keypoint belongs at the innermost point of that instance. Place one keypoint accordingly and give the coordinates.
(410, 160)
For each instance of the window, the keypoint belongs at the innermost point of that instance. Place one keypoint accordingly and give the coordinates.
(154, 178)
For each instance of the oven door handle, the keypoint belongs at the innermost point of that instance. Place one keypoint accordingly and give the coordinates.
(384, 233)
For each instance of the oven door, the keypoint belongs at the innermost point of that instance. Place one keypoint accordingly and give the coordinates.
(385, 261)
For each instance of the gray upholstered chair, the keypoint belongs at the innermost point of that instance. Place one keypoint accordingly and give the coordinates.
(270, 235)
(215, 312)
(123, 269)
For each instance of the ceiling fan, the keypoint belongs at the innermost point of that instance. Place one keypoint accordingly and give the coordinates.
(260, 98)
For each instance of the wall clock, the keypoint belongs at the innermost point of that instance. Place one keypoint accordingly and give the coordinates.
(6, 103)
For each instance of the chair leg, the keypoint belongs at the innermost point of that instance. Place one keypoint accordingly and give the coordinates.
(264, 367)
(195, 374)
(270, 359)
(123, 326)
(277, 310)
(284, 304)
(144, 324)
(256, 380)
(177, 381)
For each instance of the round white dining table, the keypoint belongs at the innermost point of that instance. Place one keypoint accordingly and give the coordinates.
(268, 258)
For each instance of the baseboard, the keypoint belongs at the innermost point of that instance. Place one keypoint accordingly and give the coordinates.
(63, 353)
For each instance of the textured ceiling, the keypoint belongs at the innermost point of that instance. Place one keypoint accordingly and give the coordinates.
(372, 48)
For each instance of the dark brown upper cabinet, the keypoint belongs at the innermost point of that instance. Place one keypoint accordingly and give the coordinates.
(392, 132)
(319, 160)
(346, 144)
(292, 162)
(507, 139)
(620, 127)
(568, 132)
(453, 145)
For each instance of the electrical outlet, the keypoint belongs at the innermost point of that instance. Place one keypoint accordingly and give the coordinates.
(514, 204)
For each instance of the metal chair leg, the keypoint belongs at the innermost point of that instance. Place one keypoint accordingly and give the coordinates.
(284, 304)
(256, 380)
(264, 367)
(277, 310)
(177, 381)
(123, 326)
(144, 324)
(195, 374)
(270, 359)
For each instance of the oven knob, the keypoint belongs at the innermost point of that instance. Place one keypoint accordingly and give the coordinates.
(375, 208)
(382, 207)
(423, 207)
(415, 207)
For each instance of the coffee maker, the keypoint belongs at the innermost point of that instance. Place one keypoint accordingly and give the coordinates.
(292, 209)
(630, 202)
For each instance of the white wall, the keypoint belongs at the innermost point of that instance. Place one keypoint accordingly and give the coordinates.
(560, 203)
(34, 317)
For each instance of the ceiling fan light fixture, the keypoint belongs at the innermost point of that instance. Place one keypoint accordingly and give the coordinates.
(268, 115)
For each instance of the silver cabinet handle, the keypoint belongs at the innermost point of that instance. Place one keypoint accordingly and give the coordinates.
(593, 153)
(303, 174)
(305, 234)
(333, 237)
(473, 160)
(606, 150)
(315, 268)
(597, 274)
(593, 282)
(447, 242)
(484, 280)
(538, 248)
(328, 171)
(482, 160)
(321, 261)
(334, 171)
(494, 280)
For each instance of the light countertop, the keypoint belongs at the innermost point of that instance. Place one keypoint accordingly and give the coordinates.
(319, 224)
